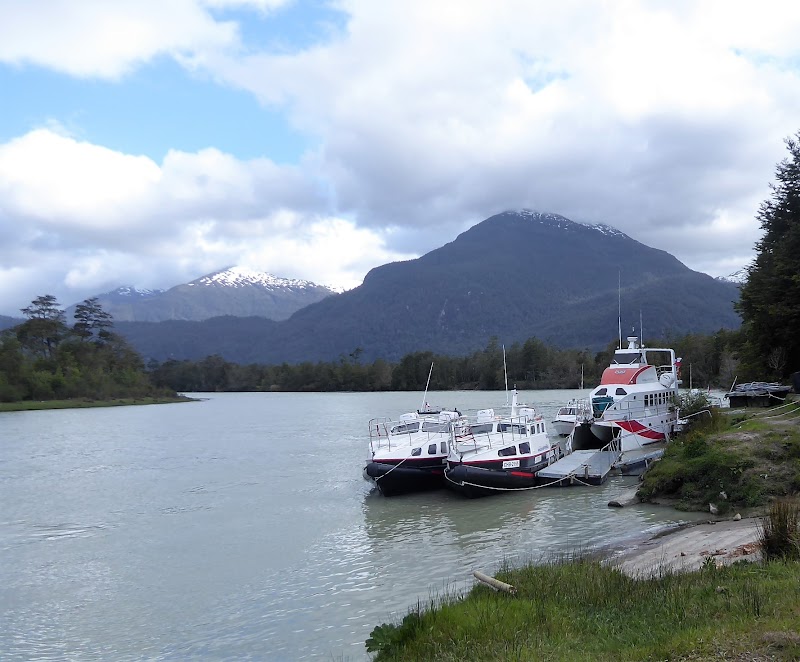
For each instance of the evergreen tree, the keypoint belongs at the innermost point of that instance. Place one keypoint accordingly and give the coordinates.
(45, 327)
(91, 319)
(770, 299)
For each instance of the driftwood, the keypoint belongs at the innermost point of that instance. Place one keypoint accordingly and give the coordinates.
(494, 583)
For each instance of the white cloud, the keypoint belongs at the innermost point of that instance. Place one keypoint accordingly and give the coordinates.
(664, 119)
(96, 38)
(638, 114)
(80, 219)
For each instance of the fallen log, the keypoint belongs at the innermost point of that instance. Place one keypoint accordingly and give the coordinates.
(494, 583)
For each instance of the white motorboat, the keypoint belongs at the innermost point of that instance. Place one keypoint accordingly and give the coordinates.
(564, 420)
(409, 454)
(490, 454)
(635, 404)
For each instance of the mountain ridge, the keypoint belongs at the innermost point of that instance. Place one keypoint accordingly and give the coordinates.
(515, 275)
(235, 291)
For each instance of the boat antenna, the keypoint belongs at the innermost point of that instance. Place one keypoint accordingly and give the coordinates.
(425, 395)
(641, 329)
(505, 371)
(619, 306)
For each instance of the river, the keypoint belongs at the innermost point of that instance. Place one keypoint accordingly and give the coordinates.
(240, 527)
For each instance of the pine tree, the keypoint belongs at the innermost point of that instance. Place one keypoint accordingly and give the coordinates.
(44, 328)
(770, 298)
(90, 319)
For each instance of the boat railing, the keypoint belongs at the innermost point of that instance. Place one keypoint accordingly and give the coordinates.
(583, 411)
(383, 432)
(476, 432)
(379, 432)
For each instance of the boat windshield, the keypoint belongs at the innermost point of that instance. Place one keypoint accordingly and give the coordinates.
(627, 358)
(431, 426)
(405, 427)
(515, 428)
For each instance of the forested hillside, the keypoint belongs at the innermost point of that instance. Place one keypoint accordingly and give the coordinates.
(514, 276)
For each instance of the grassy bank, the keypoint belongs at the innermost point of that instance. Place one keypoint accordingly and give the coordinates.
(582, 610)
(80, 403)
(736, 460)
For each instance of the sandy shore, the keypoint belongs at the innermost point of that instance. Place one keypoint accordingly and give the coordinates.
(689, 547)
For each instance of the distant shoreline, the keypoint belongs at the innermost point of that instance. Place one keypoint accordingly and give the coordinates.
(84, 403)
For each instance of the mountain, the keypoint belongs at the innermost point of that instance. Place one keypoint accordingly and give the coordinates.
(235, 291)
(738, 277)
(515, 275)
(7, 322)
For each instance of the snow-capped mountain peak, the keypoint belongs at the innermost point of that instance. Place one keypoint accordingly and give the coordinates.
(132, 291)
(739, 277)
(237, 277)
(558, 221)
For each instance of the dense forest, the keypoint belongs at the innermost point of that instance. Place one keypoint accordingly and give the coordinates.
(44, 358)
(529, 365)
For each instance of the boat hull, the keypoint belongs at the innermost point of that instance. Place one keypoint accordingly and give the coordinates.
(394, 479)
(475, 481)
(630, 435)
(562, 428)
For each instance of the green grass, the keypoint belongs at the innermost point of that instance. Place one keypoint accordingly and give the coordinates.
(583, 610)
(730, 462)
(79, 403)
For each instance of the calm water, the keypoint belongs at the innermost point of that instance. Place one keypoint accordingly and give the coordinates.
(240, 527)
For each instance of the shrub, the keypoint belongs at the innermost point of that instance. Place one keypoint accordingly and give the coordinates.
(780, 531)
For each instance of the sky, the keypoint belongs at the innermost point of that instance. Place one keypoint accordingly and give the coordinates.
(150, 143)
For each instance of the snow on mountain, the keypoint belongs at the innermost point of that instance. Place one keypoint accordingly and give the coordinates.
(739, 277)
(558, 221)
(134, 292)
(242, 277)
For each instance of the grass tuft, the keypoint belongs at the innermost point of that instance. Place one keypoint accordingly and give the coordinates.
(780, 531)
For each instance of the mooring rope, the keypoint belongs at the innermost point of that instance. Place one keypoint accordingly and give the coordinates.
(511, 489)
(392, 469)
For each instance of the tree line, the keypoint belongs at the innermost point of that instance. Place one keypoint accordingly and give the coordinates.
(45, 358)
(708, 359)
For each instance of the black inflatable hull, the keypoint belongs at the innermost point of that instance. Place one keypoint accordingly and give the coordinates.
(392, 480)
(472, 481)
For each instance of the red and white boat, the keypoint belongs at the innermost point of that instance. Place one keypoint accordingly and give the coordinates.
(635, 404)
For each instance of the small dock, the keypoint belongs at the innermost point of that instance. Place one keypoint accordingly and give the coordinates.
(579, 467)
(635, 463)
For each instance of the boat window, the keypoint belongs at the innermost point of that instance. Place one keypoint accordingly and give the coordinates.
(571, 411)
(431, 449)
(433, 426)
(516, 428)
(406, 427)
(505, 452)
(621, 391)
(416, 452)
(627, 358)
(602, 391)
(443, 447)
(524, 447)
(481, 428)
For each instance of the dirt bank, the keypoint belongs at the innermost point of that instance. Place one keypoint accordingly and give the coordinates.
(689, 547)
